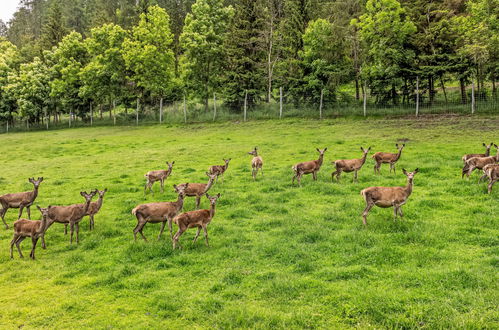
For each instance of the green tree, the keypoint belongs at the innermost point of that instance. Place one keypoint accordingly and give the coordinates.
(54, 29)
(9, 60)
(202, 40)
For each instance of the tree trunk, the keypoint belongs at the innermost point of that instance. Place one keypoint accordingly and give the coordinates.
(357, 94)
(463, 90)
(431, 90)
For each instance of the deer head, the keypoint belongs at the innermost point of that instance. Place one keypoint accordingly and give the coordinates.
(88, 197)
(170, 165)
(36, 183)
(227, 162)
(180, 190)
(321, 152)
(44, 211)
(254, 152)
(365, 151)
(213, 199)
(211, 176)
(400, 147)
(410, 175)
(101, 193)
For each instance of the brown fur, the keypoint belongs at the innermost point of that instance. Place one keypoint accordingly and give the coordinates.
(159, 175)
(308, 167)
(387, 158)
(219, 170)
(388, 196)
(19, 200)
(491, 171)
(159, 212)
(256, 163)
(350, 165)
(481, 162)
(465, 158)
(199, 189)
(29, 228)
(198, 218)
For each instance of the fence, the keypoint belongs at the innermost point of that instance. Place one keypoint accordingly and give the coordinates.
(344, 105)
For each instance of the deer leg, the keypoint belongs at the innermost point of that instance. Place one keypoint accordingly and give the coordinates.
(489, 187)
(338, 175)
(43, 242)
(355, 177)
(161, 230)
(170, 227)
(206, 235)
(198, 201)
(72, 227)
(394, 172)
(293, 181)
(470, 170)
(18, 243)
(14, 239)
(20, 212)
(65, 229)
(253, 174)
(32, 254)
(92, 222)
(314, 176)
(395, 210)
(400, 211)
(29, 212)
(162, 185)
(176, 238)
(2, 214)
(482, 177)
(77, 225)
(197, 234)
(366, 211)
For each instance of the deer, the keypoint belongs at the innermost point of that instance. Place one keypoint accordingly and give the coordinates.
(349, 165)
(220, 169)
(159, 175)
(387, 157)
(199, 189)
(481, 162)
(92, 210)
(29, 228)
(71, 214)
(159, 212)
(388, 196)
(20, 200)
(465, 158)
(492, 172)
(308, 167)
(197, 218)
(256, 163)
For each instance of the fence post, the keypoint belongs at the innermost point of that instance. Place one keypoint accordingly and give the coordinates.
(214, 106)
(365, 99)
(320, 105)
(245, 104)
(114, 112)
(137, 112)
(91, 115)
(417, 96)
(472, 97)
(70, 117)
(7, 126)
(161, 110)
(280, 102)
(47, 119)
(185, 112)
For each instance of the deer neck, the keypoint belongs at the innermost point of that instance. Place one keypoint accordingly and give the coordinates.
(87, 206)
(43, 224)
(398, 154)
(180, 202)
(212, 211)
(34, 194)
(408, 187)
(208, 186)
(487, 152)
(99, 202)
(319, 161)
(363, 159)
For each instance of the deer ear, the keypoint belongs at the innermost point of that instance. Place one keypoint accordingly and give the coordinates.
(317, 149)
(208, 196)
(218, 195)
(208, 173)
(173, 162)
(186, 185)
(396, 145)
(484, 144)
(82, 193)
(39, 208)
(404, 171)
(403, 145)
(105, 190)
(325, 149)
(416, 170)
(174, 186)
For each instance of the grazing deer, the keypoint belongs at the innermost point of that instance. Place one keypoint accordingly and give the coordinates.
(197, 218)
(159, 175)
(220, 169)
(492, 172)
(20, 200)
(481, 162)
(71, 214)
(308, 167)
(29, 228)
(465, 158)
(388, 196)
(199, 189)
(387, 157)
(256, 163)
(349, 165)
(159, 212)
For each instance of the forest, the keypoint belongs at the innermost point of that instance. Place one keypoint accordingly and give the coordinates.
(70, 57)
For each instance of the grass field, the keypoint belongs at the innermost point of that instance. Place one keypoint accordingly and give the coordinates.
(281, 255)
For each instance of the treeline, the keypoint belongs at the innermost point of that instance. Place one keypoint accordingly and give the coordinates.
(60, 57)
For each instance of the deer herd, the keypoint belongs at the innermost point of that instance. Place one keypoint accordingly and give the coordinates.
(171, 212)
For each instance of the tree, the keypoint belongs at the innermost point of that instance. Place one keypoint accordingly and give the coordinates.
(54, 29)
(385, 31)
(205, 31)
(9, 60)
(148, 54)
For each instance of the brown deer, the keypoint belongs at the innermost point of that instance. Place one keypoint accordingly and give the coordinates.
(199, 189)
(492, 172)
(197, 218)
(220, 169)
(349, 165)
(480, 162)
(256, 163)
(159, 212)
(387, 157)
(29, 228)
(71, 214)
(308, 167)
(388, 196)
(95, 207)
(20, 200)
(469, 156)
(159, 175)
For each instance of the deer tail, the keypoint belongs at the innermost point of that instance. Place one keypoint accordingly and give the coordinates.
(135, 210)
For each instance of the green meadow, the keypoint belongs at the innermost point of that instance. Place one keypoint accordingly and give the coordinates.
(280, 255)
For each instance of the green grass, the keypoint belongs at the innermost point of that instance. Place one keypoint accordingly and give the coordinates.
(280, 256)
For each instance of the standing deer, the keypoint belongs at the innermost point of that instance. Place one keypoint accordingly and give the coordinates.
(95, 207)
(388, 196)
(159, 175)
(199, 189)
(159, 212)
(387, 157)
(308, 167)
(256, 163)
(29, 228)
(349, 165)
(220, 169)
(71, 214)
(465, 158)
(197, 218)
(20, 200)
(481, 162)
(492, 172)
